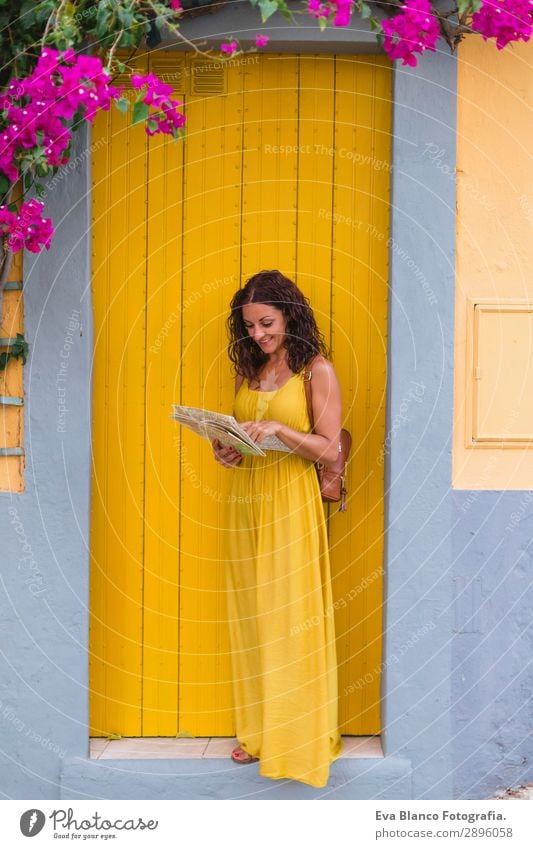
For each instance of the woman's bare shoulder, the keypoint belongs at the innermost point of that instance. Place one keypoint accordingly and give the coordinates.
(324, 375)
(322, 366)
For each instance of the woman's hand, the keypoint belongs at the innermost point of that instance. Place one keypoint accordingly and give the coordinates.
(226, 455)
(260, 430)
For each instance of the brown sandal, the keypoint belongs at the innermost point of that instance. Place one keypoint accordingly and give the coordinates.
(247, 759)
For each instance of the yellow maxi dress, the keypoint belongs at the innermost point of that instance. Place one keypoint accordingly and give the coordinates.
(279, 597)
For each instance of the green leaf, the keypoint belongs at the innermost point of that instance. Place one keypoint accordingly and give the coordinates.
(365, 11)
(26, 163)
(125, 17)
(19, 348)
(78, 116)
(122, 104)
(267, 7)
(152, 125)
(284, 9)
(40, 190)
(4, 184)
(114, 735)
(128, 40)
(185, 734)
(140, 112)
(103, 20)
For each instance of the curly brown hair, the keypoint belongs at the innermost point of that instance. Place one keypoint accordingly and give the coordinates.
(303, 339)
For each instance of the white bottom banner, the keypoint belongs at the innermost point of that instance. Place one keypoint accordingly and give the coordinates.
(310, 824)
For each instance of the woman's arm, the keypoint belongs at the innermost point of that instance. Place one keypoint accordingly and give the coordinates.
(323, 443)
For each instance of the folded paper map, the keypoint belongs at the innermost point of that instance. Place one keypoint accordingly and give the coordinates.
(227, 429)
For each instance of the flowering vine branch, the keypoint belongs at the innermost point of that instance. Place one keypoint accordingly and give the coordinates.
(407, 27)
(49, 90)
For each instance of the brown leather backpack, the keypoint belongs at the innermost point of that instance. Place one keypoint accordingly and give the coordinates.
(331, 477)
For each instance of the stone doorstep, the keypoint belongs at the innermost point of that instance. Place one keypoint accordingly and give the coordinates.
(220, 778)
(151, 748)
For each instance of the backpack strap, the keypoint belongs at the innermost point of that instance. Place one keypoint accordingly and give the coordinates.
(307, 375)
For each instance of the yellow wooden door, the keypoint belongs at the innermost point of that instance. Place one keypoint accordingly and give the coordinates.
(286, 164)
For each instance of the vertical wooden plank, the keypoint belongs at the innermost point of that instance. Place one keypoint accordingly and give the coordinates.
(162, 449)
(344, 542)
(315, 184)
(211, 272)
(270, 165)
(381, 94)
(359, 346)
(119, 286)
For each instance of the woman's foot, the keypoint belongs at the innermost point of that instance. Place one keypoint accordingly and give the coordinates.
(241, 757)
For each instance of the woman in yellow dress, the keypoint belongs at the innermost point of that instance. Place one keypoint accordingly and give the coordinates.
(280, 610)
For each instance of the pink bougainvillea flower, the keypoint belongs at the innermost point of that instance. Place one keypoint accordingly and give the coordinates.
(175, 5)
(339, 10)
(261, 40)
(7, 220)
(36, 126)
(229, 47)
(413, 30)
(157, 95)
(166, 121)
(27, 229)
(38, 107)
(317, 9)
(156, 91)
(343, 12)
(504, 20)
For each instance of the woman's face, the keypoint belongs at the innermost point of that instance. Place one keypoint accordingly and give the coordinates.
(266, 325)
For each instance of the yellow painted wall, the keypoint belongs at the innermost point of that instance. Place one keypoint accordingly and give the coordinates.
(288, 167)
(493, 405)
